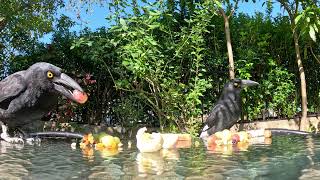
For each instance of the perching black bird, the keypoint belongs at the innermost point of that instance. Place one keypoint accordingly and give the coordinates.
(227, 110)
(28, 95)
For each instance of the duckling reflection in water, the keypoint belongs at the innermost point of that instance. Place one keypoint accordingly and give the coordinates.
(148, 163)
(155, 162)
(170, 154)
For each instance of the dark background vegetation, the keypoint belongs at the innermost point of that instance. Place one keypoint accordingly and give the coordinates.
(165, 63)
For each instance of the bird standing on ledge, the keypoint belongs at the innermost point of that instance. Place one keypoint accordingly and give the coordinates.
(28, 95)
(227, 110)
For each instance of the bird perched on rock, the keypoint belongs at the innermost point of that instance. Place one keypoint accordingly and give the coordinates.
(28, 95)
(227, 110)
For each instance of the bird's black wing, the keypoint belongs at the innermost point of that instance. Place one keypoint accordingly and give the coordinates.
(11, 87)
(214, 116)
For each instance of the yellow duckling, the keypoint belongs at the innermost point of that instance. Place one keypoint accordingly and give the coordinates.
(226, 137)
(219, 134)
(147, 142)
(244, 137)
(218, 141)
(110, 142)
(223, 137)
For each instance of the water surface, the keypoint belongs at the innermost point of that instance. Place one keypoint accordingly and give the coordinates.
(288, 157)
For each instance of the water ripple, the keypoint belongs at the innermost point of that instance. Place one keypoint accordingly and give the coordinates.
(286, 158)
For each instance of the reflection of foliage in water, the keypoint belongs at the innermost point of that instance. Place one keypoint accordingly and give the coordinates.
(287, 153)
(285, 146)
(193, 158)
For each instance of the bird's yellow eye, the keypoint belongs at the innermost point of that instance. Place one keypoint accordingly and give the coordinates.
(236, 84)
(49, 74)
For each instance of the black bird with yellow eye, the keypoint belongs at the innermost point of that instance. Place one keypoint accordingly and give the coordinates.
(28, 95)
(227, 110)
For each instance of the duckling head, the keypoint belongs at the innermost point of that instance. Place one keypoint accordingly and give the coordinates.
(141, 131)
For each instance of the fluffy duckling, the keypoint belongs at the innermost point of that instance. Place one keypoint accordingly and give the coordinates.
(110, 142)
(223, 137)
(244, 137)
(147, 142)
(226, 136)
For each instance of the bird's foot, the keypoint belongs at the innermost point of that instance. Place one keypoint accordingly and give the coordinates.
(9, 139)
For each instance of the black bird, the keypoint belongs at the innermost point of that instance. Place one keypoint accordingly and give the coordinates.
(28, 95)
(227, 110)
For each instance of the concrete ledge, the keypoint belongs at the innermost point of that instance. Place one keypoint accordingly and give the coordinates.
(292, 124)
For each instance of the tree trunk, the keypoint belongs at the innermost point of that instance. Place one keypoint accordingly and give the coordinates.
(292, 12)
(2, 23)
(229, 45)
(304, 123)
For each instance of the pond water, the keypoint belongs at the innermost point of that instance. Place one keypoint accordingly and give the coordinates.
(288, 157)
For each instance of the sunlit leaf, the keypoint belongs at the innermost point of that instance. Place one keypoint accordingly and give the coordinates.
(123, 24)
(315, 27)
(297, 19)
(308, 19)
(312, 34)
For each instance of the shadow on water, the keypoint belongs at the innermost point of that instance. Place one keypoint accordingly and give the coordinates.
(288, 157)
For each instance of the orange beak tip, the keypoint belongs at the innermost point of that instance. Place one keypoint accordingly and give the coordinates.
(80, 97)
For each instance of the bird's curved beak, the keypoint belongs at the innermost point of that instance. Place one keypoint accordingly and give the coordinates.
(69, 88)
(247, 83)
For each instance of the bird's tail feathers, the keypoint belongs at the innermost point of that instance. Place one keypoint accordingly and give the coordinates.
(205, 128)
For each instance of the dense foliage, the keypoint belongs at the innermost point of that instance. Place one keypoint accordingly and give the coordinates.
(22, 23)
(165, 65)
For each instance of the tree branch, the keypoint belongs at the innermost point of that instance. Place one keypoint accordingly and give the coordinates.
(221, 11)
(233, 9)
(2, 23)
(315, 56)
(287, 8)
(231, 13)
(296, 8)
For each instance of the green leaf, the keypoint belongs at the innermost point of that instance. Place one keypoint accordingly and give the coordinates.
(296, 20)
(154, 13)
(312, 34)
(89, 43)
(151, 41)
(218, 3)
(315, 27)
(123, 24)
(153, 26)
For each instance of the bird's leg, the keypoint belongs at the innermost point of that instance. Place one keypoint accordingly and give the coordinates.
(5, 136)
